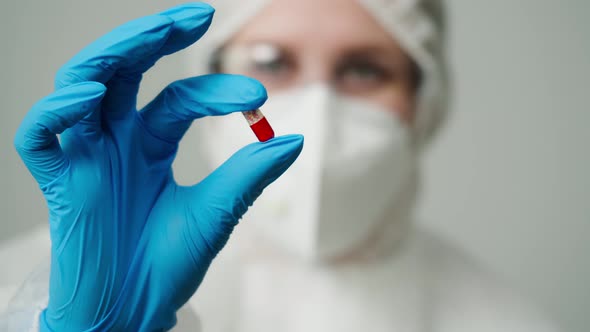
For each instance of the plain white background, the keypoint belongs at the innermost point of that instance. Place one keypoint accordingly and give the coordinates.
(507, 180)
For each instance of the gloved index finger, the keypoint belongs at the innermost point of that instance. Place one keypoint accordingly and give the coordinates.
(130, 46)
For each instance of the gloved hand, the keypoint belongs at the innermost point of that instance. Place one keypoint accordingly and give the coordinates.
(129, 245)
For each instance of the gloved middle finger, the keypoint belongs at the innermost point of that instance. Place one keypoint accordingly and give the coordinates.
(118, 58)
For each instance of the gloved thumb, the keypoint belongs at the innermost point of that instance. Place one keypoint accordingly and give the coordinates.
(223, 197)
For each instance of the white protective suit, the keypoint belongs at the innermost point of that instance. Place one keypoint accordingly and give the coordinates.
(401, 279)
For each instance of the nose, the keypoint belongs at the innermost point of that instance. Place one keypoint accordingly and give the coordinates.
(314, 70)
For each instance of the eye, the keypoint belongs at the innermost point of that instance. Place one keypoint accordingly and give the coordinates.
(269, 63)
(359, 75)
(363, 71)
(269, 60)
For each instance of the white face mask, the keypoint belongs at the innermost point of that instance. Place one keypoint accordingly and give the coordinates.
(355, 164)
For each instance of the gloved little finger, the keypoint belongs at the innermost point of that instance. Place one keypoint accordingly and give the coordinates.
(36, 140)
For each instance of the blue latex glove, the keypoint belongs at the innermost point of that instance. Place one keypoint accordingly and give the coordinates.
(129, 245)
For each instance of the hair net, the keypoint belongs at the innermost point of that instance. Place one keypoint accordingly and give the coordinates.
(418, 25)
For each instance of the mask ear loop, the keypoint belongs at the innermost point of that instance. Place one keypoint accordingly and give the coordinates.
(431, 103)
(416, 77)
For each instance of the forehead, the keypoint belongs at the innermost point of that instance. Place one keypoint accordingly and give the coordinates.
(316, 23)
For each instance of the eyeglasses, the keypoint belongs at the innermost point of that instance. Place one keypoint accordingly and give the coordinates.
(360, 72)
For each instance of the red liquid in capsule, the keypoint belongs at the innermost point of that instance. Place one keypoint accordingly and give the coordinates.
(259, 125)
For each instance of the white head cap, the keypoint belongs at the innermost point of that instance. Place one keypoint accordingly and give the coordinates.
(418, 25)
